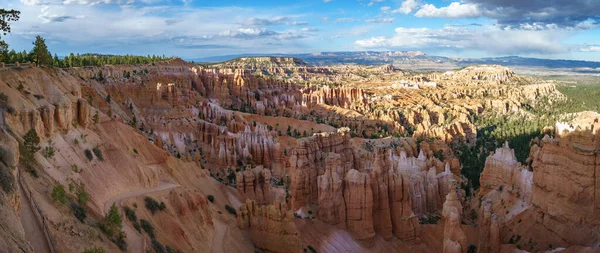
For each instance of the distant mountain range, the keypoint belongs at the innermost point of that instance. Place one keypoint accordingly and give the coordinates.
(418, 60)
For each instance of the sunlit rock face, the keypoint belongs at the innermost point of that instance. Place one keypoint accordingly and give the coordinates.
(271, 227)
(556, 194)
(502, 168)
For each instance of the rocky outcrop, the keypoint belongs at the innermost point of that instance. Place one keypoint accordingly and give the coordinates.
(489, 230)
(404, 222)
(503, 169)
(455, 240)
(332, 207)
(255, 184)
(359, 203)
(83, 112)
(382, 202)
(566, 184)
(271, 227)
(308, 161)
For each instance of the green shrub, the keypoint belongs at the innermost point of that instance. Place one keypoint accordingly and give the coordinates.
(153, 206)
(171, 250)
(231, 210)
(137, 227)
(89, 155)
(313, 250)
(82, 195)
(98, 153)
(157, 246)
(58, 194)
(130, 214)
(79, 211)
(211, 198)
(48, 151)
(94, 250)
(119, 240)
(27, 151)
(6, 180)
(147, 227)
(111, 225)
(31, 140)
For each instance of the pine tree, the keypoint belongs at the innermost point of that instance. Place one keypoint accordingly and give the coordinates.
(113, 218)
(5, 17)
(31, 140)
(39, 53)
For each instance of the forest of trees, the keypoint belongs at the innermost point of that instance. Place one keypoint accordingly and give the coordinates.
(76, 60)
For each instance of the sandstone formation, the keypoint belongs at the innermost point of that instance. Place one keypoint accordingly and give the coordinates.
(502, 168)
(255, 184)
(332, 207)
(359, 203)
(455, 240)
(271, 227)
(364, 149)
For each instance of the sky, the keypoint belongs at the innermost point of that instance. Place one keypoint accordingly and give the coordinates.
(554, 29)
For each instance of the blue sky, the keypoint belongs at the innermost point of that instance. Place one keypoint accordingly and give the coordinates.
(566, 29)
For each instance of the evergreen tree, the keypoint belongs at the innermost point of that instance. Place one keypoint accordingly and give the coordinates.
(56, 63)
(5, 17)
(39, 53)
(113, 218)
(31, 140)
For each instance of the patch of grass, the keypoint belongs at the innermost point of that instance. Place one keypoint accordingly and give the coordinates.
(48, 151)
(75, 168)
(94, 250)
(313, 250)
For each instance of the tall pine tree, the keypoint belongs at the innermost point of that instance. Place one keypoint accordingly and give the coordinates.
(39, 53)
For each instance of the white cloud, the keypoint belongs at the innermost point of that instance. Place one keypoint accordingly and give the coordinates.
(345, 20)
(590, 48)
(454, 10)
(279, 20)
(327, 1)
(47, 16)
(406, 7)
(489, 39)
(143, 29)
(380, 20)
(385, 9)
(295, 23)
(375, 1)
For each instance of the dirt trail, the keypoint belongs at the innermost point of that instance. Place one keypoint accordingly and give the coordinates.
(33, 230)
(135, 241)
(219, 237)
